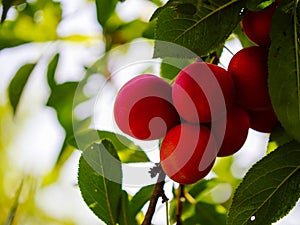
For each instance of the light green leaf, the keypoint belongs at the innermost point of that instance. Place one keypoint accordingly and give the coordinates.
(13, 210)
(51, 70)
(125, 217)
(269, 190)
(61, 99)
(100, 178)
(170, 67)
(105, 8)
(200, 26)
(127, 150)
(126, 32)
(284, 68)
(18, 83)
(26, 27)
(256, 5)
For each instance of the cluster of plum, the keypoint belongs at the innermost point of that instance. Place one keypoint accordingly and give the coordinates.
(206, 113)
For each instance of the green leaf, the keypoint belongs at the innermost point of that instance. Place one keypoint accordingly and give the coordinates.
(238, 31)
(284, 68)
(51, 71)
(156, 2)
(210, 214)
(150, 29)
(140, 199)
(188, 210)
(256, 5)
(127, 150)
(13, 210)
(18, 83)
(202, 187)
(124, 32)
(98, 166)
(105, 8)
(27, 27)
(207, 214)
(277, 138)
(61, 99)
(270, 189)
(126, 217)
(200, 26)
(170, 67)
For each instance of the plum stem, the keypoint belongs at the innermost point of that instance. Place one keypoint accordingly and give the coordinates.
(157, 193)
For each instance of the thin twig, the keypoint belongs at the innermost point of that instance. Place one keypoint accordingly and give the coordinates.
(180, 200)
(158, 192)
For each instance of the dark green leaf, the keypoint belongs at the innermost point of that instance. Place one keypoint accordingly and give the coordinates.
(209, 214)
(140, 199)
(270, 189)
(150, 29)
(206, 214)
(105, 8)
(284, 69)
(125, 217)
(18, 83)
(51, 70)
(202, 27)
(99, 179)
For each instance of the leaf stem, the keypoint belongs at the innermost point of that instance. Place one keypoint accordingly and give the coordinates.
(158, 192)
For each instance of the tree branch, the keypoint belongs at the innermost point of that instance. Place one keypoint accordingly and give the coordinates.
(158, 192)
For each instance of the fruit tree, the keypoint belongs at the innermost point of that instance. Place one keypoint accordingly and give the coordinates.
(179, 115)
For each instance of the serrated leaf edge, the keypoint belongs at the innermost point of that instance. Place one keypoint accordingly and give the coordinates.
(276, 189)
(284, 180)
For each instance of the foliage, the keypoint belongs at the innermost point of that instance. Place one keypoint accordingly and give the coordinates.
(258, 199)
(286, 101)
(202, 27)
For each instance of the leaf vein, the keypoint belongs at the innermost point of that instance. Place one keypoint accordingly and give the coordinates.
(273, 193)
(205, 17)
